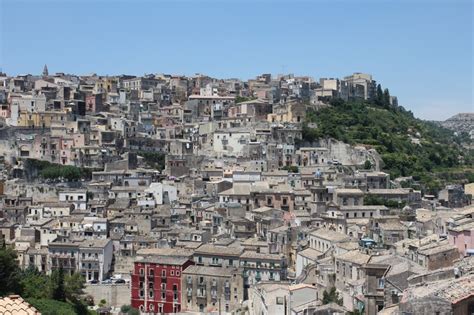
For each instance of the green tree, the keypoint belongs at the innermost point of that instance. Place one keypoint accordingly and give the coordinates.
(74, 286)
(379, 95)
(53, 307)
(332, 296)
(367, 165)
(35, 284)
(125, 308)
(386, 97)
(9, 270)
(58, 291)
(133, 311)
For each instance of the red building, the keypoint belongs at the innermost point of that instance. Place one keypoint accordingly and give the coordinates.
(156, 283)
(94, 103)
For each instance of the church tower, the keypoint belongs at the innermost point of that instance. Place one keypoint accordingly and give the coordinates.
(45, 71)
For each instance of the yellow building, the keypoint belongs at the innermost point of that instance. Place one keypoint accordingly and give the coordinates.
(469, 190)
(40, 119)
(293, 113)
(106, 85)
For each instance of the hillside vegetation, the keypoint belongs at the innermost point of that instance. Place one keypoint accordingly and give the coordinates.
(407, 145)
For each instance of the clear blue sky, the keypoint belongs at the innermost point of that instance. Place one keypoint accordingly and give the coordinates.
(421, 50)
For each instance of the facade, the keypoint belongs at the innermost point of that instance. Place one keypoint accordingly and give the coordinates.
(157, 284)
(95, 259)
(212, 289)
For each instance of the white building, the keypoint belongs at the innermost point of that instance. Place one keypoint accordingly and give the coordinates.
(163, 193)
(76, 197)
(230, 142)
(95, 258)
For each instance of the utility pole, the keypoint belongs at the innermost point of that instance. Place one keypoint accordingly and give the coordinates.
(219, 305)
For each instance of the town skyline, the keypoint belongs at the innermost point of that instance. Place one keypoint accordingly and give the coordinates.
(218, 78)
(419, 58)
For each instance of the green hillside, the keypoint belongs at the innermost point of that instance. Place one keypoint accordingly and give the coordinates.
(409, 146)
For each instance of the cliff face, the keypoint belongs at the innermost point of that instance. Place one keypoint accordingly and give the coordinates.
(462, 122)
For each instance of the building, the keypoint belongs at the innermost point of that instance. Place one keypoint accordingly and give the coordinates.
(157, 283)
(449, 296)
(212, 289)
(95, 259)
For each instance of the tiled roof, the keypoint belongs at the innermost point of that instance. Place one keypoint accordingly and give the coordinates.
(14, 304)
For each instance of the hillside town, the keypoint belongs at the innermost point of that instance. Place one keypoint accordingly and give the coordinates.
(197, 195)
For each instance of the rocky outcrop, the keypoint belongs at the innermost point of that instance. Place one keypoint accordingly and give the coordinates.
(462, 122)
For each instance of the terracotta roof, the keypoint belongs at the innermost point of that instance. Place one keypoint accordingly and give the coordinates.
(14, 304)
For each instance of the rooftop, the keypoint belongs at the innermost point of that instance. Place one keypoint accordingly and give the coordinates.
(209, 271)
(14, 304)
(354, 256)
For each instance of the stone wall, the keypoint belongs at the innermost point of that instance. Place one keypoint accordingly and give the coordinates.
(115, 295)
(39, 192)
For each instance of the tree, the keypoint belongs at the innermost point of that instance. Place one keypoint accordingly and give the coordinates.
(74, 286)
(58, 291)
(125, 308)
(332, 296)
(379, 95)
(133, 311)
(52, 307)
(367, 165)
(9, 271)
(35, 284)
(386, 98)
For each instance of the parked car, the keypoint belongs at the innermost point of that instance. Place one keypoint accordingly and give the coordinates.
(118, 281)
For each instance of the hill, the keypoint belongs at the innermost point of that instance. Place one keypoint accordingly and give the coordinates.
(462, 122)
(430, 153)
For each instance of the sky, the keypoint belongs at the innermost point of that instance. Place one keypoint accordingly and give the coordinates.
(422, 50)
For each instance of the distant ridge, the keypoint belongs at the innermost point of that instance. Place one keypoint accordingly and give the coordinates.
(462, 122)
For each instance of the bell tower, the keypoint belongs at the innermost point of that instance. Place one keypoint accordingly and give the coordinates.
(45, 71)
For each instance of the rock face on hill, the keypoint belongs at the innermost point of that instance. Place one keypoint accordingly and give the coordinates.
(462, 122)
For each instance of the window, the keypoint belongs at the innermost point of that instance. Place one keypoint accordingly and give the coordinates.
(381, 283)
(172, 272)
(163, 273)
